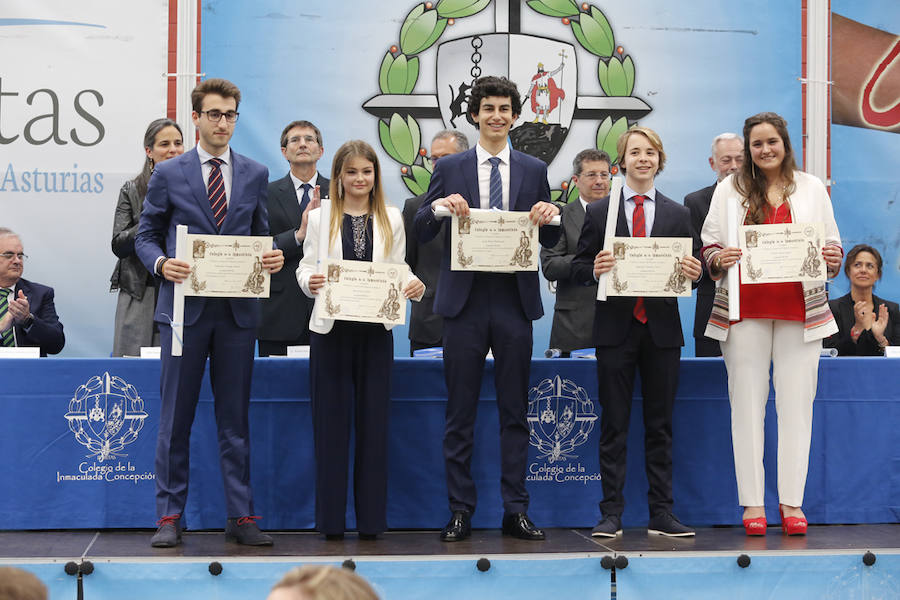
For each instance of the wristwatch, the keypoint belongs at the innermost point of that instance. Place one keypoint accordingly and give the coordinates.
(28, 322)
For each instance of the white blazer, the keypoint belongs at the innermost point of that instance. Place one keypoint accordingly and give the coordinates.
(311, 246)
(809, 203)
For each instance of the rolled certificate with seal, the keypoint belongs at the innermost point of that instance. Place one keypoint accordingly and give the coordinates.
(182, 252)
(734, 282)
(322, 250)
(612, 216)
(442, 212)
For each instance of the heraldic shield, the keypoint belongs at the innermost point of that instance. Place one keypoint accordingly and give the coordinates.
(106, 414)
(544, 70)
(560, 417)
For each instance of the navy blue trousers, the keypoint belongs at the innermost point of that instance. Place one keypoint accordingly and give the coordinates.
(230, 351)
(492, 318)
(350, 383)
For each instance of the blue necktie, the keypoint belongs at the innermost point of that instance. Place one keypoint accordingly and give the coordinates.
(304, 201)
(6, 337)
(496, 184)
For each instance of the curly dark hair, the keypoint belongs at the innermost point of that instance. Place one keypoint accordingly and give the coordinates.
(494, 86)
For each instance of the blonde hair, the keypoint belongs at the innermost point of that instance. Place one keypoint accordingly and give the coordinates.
(377, 205)
(324, 582)
(17, 584)
(652, 137)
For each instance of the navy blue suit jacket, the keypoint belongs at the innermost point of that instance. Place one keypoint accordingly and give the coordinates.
(458, 174)
(177, 195)
(46, 332)
(613, 318)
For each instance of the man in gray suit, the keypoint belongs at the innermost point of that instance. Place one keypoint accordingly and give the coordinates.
(727, 156)
(285, 313)
(425, 327)
(573, 315)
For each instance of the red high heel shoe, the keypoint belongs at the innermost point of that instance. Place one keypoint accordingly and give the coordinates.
(792, 525)
(755, 526)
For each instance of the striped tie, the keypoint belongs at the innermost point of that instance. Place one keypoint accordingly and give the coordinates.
(216, 188)
(639, 229)
(496, 184)
(6, 337)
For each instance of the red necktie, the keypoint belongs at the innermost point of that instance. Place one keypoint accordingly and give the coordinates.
(639, 229)
(216, 188)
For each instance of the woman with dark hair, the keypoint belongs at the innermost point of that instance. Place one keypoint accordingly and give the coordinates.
(350, 362)
(134, 325)
(866, 323)
(781, 324)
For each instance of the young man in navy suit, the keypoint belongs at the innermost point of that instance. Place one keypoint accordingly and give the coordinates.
(636, 332)
(488, 310)
(212, 190)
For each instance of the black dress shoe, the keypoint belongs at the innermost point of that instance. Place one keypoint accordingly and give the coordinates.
(520, 526)
(458, 528)
(169, 533)
(245, 531)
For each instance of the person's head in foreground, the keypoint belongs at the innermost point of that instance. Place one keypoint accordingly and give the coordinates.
(17, 584)
(322, 582)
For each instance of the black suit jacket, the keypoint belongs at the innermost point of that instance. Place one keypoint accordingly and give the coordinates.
(698, 203)
(46, 332)
(613, 318)
(573, 314)
(425, 327)
(866, 345)
(285, 314)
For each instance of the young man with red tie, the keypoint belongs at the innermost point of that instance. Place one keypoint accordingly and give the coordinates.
(634, 332)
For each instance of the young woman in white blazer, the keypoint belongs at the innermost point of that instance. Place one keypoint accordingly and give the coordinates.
(782, 324)
(350, 362)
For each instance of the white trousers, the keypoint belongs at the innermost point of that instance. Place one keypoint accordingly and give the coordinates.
(752, 345)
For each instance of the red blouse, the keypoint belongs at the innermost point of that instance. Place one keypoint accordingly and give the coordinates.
(783, 301)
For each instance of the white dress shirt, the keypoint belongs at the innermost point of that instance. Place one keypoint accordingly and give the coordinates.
(225, 167)
(484, 175)
(649, 208)
(298, 187)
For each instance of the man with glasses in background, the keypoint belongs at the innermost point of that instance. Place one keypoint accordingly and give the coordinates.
(27, 314)
(286, 312)
(212, 190)
(573, 315)
(424, 259)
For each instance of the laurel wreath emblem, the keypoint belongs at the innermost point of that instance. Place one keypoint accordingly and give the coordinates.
(400, 135)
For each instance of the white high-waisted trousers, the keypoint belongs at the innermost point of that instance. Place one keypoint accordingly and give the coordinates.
(752, 345)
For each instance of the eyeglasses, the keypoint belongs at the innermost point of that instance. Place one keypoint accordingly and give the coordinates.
(594, 175)
(302, 138)
(216, 115)
(11, 255)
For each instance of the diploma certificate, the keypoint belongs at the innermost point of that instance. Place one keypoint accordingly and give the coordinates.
(649, 266)
(782, 253)
(227, 266)
(358, 290)
(493, 240)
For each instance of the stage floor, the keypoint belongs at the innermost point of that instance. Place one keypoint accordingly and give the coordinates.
(135, 544)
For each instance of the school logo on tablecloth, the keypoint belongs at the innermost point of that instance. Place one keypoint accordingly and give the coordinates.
(106, 414)
(561, 417)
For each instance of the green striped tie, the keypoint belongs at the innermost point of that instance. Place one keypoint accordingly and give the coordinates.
(6, 337)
